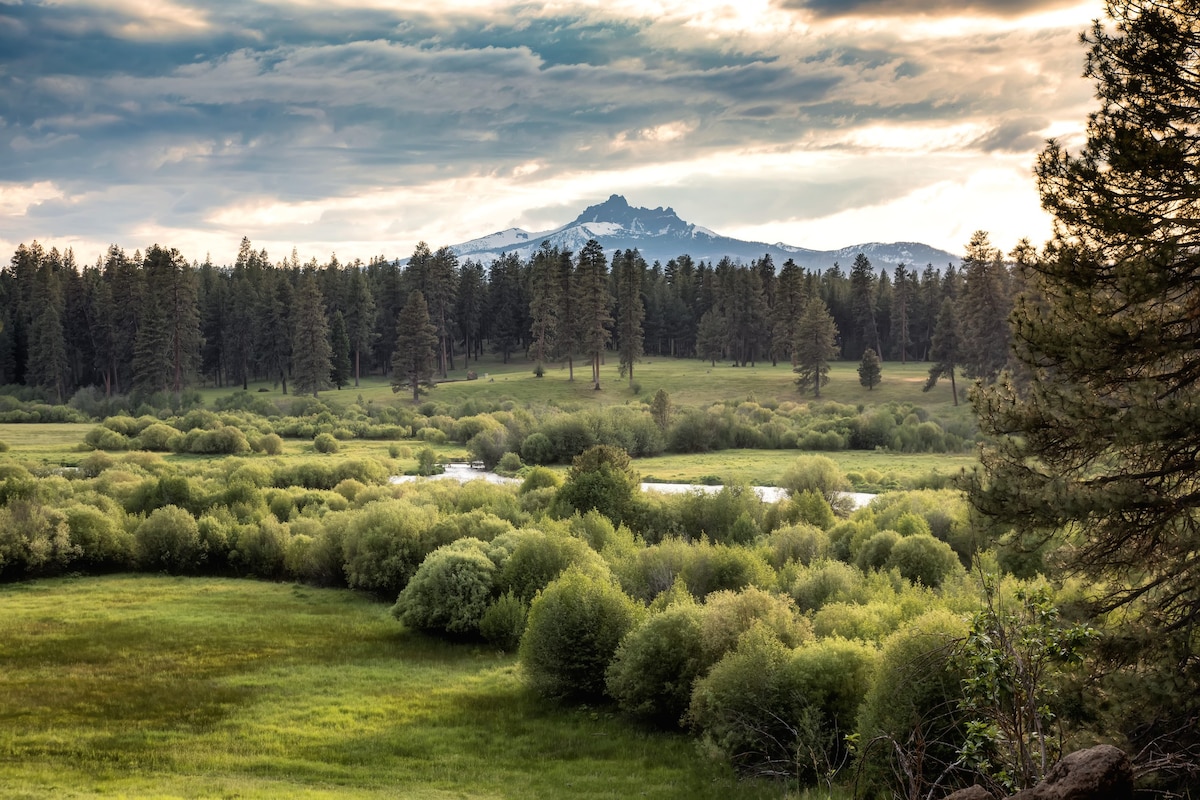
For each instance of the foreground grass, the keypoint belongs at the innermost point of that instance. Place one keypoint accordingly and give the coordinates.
(142, 686)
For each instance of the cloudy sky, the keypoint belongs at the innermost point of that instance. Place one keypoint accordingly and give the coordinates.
(365, 126)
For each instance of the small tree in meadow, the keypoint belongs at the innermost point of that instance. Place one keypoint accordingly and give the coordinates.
(869, 372)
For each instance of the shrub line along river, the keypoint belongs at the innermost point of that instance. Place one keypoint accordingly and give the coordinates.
(463, 472)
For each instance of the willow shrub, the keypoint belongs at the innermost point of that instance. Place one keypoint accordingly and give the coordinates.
(575, 626)
(656, 664)
(910, 728)
(450, 591)
(383, 544)
(774, 710)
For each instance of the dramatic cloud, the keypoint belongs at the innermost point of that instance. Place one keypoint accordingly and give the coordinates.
(363, 127)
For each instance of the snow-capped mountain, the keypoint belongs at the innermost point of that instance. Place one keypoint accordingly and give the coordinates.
(660, 235)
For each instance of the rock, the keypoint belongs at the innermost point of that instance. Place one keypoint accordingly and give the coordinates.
(971, 793)
(1098, 773)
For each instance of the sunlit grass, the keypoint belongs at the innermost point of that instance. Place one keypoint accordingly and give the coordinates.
(185, 687)
(688, 381)
(766, 467)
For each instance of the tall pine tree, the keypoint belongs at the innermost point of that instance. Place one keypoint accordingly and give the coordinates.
(416, 347)
(312, 355)
(816, 344)
(1102, 445)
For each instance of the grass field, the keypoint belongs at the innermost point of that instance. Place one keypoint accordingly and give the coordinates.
(143, 686)
(688, 381)
(766, 467)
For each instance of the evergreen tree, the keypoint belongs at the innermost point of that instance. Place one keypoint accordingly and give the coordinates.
(864, 332)
(47, 345)
(710, 336)
(983, 308)
(312, 355)
(339, 343)
(174, 278)
(901, 292)
(869, 372)
(505, 324)
(276, 333)
(441, 283)
(469, 306)
(816, 343)
(360, 317)
(594, 303)
(1102, 444)
(944, 349)
(789, 304)
(545, 301)
(629, 268)
(416, 346)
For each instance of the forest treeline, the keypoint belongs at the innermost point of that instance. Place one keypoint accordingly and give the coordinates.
(148, 323)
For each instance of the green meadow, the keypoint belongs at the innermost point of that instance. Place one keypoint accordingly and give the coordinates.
(688, 381)
(144, 686)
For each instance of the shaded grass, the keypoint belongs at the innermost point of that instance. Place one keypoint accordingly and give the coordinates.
(147, 686)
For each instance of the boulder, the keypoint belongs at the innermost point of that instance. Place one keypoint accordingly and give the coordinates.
(1098, 773)
(971, 793)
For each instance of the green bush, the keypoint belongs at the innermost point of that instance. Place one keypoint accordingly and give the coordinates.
(169, 541)
(875, 552)
(99, 537)
(575, 625)
(656, 664)
(3, 447)
(870, 623)
(599, 478)
(814, 473)
(730, 615)
(771, 710)
(923, 559)
(315, 554)
(509, 464)
(803, 543)
(540, 557)
(540, 478)
(450, 591)
(271, 444)
(742, 708)
(503, 623)
(538, 449)
(34, 540)
(102, 438)
(325, 443)
(825, 582)
(489, 446)
(383, 544)
(909, 723)
(156, 437)
(261, 549)
(730, 515)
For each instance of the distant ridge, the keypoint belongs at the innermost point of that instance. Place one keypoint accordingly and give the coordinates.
(660, 235)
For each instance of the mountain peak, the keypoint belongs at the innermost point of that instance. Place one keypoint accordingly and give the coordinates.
(616, 210)
(660, 235)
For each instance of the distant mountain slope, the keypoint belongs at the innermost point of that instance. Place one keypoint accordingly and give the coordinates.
(660, 235)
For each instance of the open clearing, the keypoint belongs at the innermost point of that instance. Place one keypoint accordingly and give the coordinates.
(144, 686)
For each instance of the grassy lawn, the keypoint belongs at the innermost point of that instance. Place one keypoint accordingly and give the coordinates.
(144, 686)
